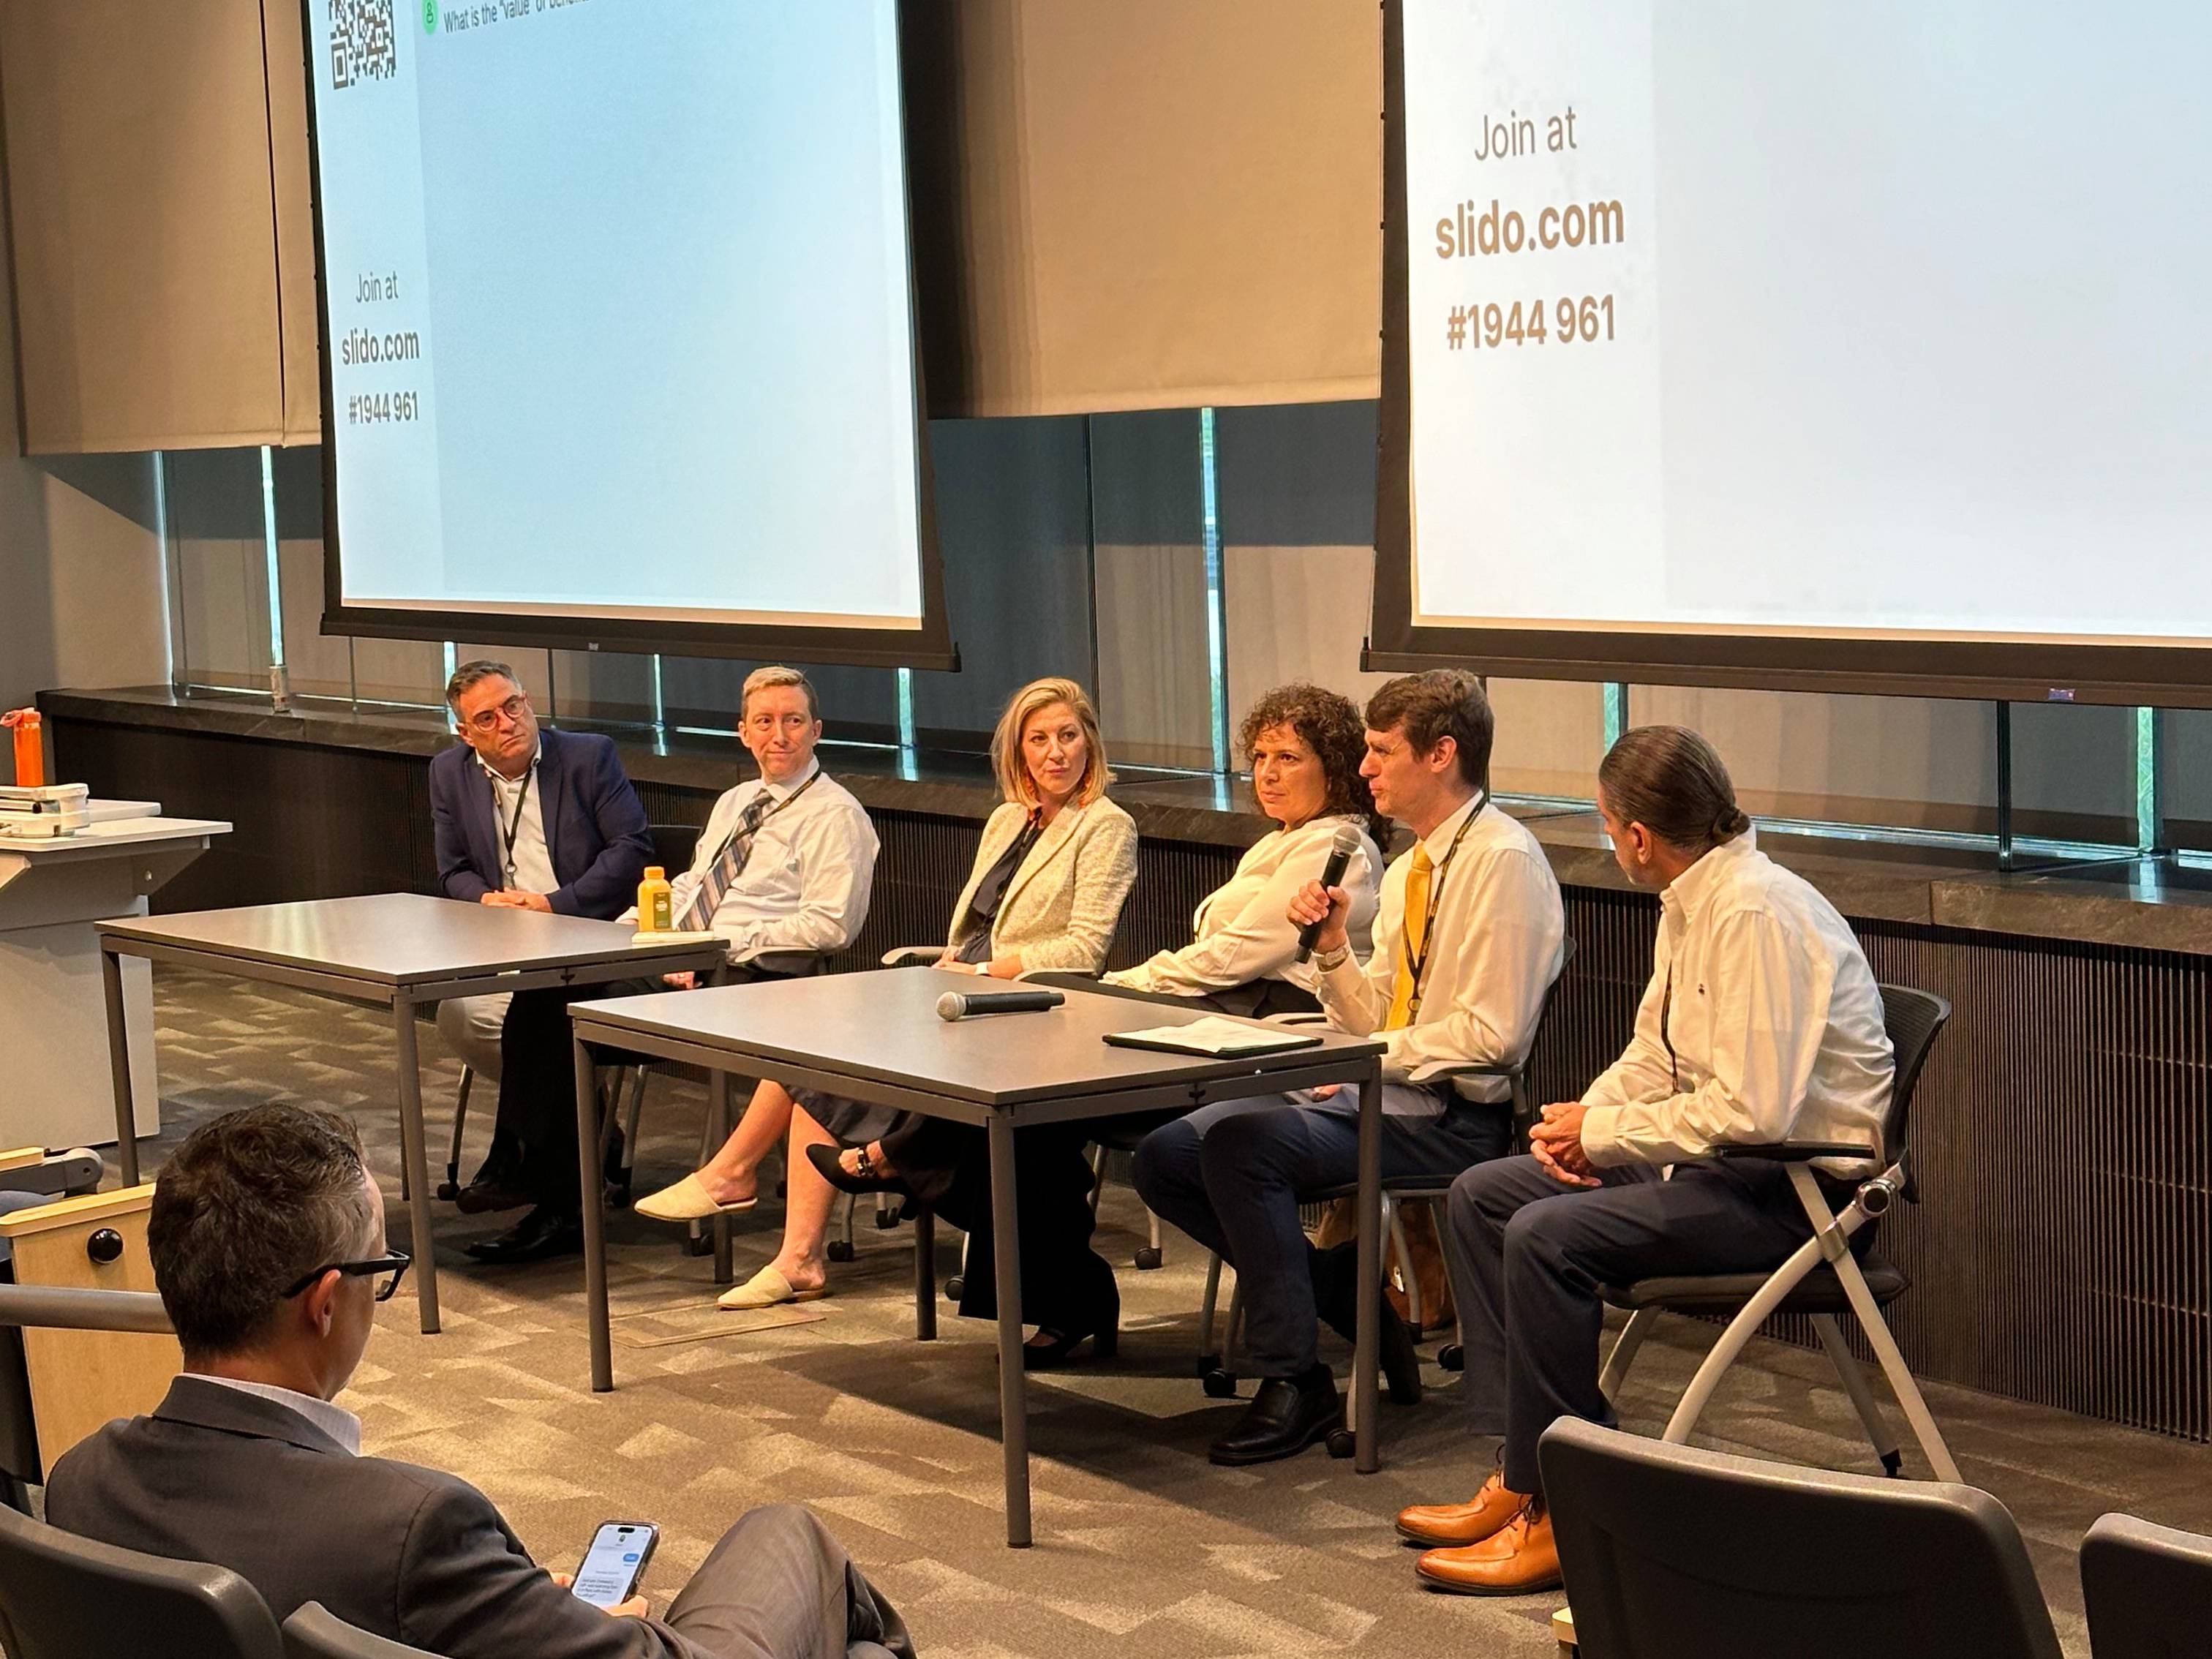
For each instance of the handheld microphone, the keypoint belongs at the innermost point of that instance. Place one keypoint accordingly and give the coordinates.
(965, 1004)
(1339, 855)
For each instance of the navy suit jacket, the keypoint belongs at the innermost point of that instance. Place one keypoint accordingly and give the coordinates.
(595, 830)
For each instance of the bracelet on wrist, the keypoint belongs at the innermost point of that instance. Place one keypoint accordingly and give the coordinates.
(1329, 961)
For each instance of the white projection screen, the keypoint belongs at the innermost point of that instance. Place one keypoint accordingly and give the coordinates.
(1847, 344)
(617, 327)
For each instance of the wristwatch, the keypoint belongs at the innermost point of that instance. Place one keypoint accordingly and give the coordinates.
(1329, 961)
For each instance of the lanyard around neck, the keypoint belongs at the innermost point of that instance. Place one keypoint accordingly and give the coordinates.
(1420, 964)
(511, 828)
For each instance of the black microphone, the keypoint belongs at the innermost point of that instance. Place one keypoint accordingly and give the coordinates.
(963, 1005)
(1339, 855)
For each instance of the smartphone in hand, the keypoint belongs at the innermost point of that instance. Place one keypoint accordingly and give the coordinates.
(611, 1568)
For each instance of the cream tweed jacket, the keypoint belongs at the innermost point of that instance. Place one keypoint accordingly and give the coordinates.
(1061, 907)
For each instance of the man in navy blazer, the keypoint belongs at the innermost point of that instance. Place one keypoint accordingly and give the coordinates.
(539, 820)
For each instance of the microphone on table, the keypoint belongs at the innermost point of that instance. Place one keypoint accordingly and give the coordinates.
(1339, 855)
(965, 1004)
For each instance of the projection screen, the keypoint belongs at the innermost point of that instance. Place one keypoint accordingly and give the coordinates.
(1854, 344)
(617, 327)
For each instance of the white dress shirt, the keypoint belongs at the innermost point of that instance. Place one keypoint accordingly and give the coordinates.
(1774, 1019)
(805, 884)
(336, 1421)
(1495, 946)
(1244, 932)
(533, 863)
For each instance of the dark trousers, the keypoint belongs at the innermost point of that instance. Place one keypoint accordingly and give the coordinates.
(1066, 1285)
(779, 1586)
(534, 1145)
(1229, 1175)
(1527, 1255)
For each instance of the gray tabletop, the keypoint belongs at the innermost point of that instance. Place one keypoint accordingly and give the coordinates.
(884, 1025)
(393, 938)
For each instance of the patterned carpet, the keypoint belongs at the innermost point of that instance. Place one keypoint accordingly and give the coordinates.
(1141, 1545)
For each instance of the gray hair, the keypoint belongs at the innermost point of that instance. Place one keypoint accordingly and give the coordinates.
(250, 1204)
(471, 674)
(767, 679)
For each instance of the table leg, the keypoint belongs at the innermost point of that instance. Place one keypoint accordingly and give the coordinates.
(595, 1220)
(925, 1277)
(421, 1240)
(721, 1105)
(1013, 1401)
(1369, 1329)
(118, 1061)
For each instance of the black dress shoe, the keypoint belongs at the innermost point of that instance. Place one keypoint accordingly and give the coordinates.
(482, 1197)
(544, 1232)
(1287, 1415)
(824, 1156)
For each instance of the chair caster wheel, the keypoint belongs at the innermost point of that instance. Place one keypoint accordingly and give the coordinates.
(1341, 1442)
(887, 1221)
(1452, 1357)
(1219, 1384)
(955, 1288)
(840, 1249)
(448, 1191)
(1893, 1464)
(1147, 1259)
(701, 1244)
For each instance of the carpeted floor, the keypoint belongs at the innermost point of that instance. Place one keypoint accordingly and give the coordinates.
(1141, 1545)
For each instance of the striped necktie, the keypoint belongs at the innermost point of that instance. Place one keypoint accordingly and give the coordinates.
(723, 873)
(1411, 936)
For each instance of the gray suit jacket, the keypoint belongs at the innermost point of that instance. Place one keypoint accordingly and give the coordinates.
(218, 1475)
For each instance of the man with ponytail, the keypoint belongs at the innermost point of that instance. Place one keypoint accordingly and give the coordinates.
(1762, 1024)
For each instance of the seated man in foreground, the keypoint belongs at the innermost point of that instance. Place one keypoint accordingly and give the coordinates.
(1762, 1024)
(267, 1237)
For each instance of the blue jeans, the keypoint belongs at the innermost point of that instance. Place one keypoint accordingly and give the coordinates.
(1230, 1175)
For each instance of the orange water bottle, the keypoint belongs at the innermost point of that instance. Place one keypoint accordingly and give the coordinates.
(653, 894)
(30, 747)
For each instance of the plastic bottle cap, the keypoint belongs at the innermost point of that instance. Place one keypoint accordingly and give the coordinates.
(653, 872)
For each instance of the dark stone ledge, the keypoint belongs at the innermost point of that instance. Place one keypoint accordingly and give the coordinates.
(2140, 903)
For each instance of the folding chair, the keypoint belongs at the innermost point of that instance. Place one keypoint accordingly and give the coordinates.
(1676, 1552)
(1823, 1278)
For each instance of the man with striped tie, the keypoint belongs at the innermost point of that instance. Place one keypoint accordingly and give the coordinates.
(783, 869)
(1469, 938)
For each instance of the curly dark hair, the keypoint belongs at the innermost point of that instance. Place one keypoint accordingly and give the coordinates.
(1330, 725)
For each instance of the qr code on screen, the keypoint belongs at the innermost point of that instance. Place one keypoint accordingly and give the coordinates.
(361, 45)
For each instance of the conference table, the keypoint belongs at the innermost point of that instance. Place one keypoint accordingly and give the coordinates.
(877, 1038)
(393, 950)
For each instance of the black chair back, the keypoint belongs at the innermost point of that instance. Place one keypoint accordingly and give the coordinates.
(674, 846)
(66, 1597)
(1913, 1020)
(315, 1632)
(2149, 1589)
(1673, 1552)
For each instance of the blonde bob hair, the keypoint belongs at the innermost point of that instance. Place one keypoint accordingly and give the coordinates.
(1014, 779)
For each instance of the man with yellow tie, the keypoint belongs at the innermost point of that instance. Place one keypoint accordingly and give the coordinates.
(1467, 941)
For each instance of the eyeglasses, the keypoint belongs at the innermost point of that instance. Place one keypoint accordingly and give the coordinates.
(488, 720)
(395, 1264)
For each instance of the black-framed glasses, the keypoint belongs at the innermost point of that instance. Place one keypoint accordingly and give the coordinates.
(395, 1264)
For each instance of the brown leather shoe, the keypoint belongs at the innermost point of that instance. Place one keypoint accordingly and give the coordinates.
(1519, 1559)
(1457, 1525)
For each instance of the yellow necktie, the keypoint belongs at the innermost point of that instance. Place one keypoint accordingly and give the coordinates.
(1411, 937)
